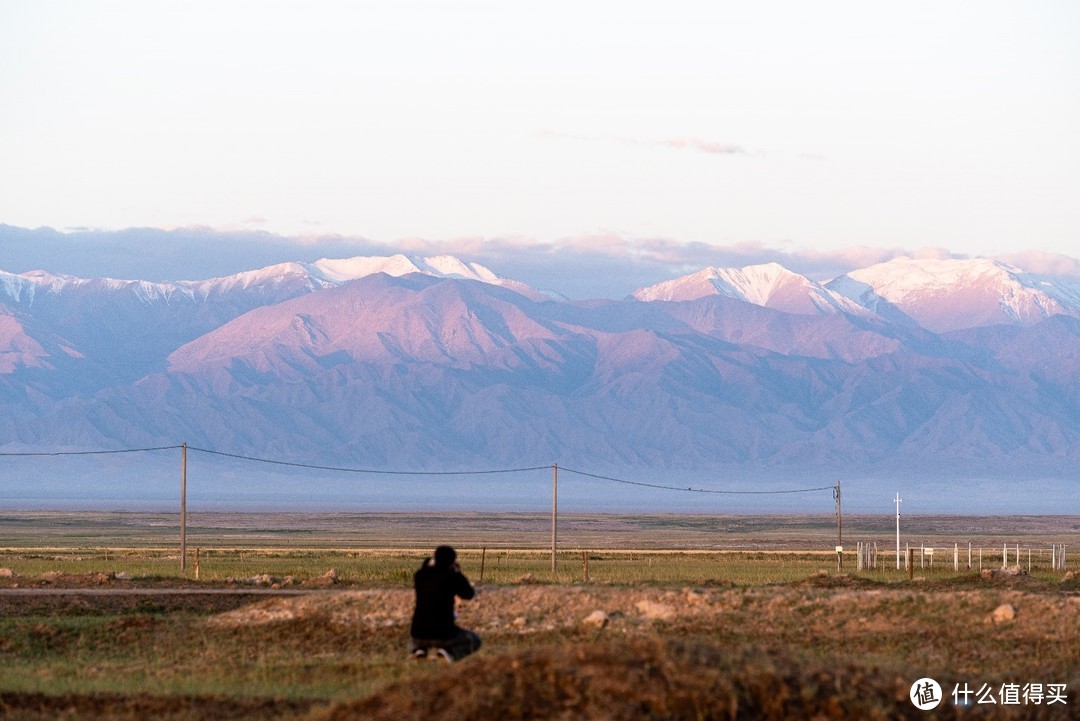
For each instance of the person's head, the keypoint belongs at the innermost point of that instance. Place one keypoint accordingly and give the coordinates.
(445, 556)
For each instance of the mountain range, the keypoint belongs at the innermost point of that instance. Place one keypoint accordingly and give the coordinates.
(910, 368)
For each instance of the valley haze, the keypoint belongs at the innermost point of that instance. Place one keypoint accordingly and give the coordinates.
(952, 381)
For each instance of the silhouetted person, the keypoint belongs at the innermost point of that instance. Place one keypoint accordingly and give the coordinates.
(433, 630)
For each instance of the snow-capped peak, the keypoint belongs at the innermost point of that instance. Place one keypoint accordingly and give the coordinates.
(948, 294)
(770, 285)
(298, 277)
(346, 269)
(901, 277)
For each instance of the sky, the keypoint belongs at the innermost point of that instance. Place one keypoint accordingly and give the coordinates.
(659, 136)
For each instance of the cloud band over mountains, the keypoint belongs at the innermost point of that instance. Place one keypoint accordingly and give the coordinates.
(599, 265)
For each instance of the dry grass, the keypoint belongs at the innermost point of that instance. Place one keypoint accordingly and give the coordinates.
(829, 646)
(633, 679)
(690, 634)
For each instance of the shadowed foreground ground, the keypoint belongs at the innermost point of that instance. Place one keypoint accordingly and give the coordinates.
(828, 647)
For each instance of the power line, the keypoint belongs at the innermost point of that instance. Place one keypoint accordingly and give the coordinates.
(88, 453)
(340, 469)
(691, 489)
(375, 471)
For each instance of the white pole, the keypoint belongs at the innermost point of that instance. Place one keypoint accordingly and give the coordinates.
(897, 500)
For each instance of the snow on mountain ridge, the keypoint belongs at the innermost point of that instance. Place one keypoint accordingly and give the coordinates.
(950, 294)
(346, 269)
(768, 285)
(323, 273)
(900, 277)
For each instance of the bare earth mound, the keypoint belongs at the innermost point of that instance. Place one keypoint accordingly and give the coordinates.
(652, 679)
(827, 647)
(830, 647)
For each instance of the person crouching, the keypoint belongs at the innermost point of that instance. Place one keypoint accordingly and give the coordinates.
(433, 631)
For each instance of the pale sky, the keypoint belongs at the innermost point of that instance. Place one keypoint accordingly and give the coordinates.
(795, 126)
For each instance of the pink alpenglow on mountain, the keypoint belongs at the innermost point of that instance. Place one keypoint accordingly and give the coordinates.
(944, 295)
(905, 369)
(769, 285)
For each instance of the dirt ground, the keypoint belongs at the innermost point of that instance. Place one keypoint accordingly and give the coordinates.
(829, 647)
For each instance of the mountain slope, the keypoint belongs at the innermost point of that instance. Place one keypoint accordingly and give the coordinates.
(446, 370)
(424, 373)
(127, 328)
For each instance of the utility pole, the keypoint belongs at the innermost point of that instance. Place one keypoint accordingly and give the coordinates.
(839, 538)
(554, 511)
(183, 507)
(897, 500)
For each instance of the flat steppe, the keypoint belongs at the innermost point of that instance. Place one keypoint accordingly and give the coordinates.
(646, 617)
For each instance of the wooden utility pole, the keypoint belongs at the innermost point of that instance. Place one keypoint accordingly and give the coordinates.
(183, 507)
(839, 538)
(897, 500)
(554, 511)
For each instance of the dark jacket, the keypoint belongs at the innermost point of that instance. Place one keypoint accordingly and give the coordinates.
(436, 587)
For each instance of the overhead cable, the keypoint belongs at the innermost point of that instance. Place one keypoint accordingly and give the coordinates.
(340, 469)
(691, 489)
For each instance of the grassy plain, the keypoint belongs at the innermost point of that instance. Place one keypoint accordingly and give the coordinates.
(702, 618)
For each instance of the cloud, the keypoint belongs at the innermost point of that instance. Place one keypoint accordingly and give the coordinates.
(1035, 261)
(597, 265)
(711, 147)
(705, 146)
(613, 265)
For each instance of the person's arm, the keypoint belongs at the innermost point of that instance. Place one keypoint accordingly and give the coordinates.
(463, 589)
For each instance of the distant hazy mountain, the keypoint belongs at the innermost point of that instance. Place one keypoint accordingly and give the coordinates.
(429, 364)
(770, 286)
(124, 329)
(943, 295)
